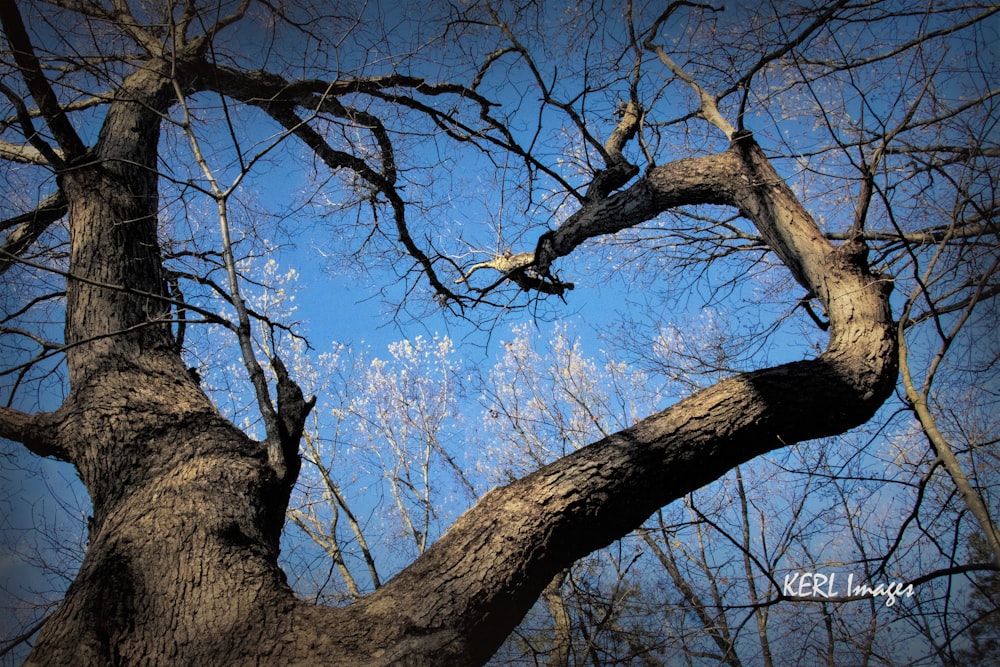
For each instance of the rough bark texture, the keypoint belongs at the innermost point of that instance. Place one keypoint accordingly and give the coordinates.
(187, 514)
(182, 563)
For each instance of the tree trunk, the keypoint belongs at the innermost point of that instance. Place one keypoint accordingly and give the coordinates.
(182, 568)
(181, 565)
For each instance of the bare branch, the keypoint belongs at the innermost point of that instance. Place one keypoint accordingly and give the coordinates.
(26, 154)
(788, 45)
(708, 108)
(28, 227)
(123, 17)
(31, 71)
(276, 443)
(856, 62)
(26, 635)
(519, 270)
(47, 154)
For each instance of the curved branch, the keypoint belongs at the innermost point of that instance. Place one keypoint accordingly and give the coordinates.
(278, 98)
(708, 103)
(519, 270)
(122, 16)
(469, 590)
(787, 46)
(238, 13)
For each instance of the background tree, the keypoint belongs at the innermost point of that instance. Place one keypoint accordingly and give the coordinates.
(661, 148)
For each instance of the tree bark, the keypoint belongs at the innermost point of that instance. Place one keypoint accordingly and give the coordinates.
(182, 568)
(187, 513)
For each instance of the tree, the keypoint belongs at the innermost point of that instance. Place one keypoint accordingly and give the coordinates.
(135, 108)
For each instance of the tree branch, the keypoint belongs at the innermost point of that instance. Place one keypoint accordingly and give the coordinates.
(36, 432)
(495, 561)
(708, 108)
(26, 154)
(38, 85)
(28, 227)
(42, 153)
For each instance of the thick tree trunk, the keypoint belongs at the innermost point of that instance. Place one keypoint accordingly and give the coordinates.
(182, 563)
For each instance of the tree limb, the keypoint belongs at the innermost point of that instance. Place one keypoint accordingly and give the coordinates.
(45, 153)
(26, 154)
(28, 227)
(38, 85)
(473, 586)
(35, 431)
